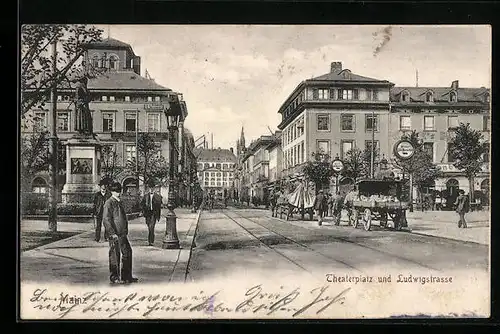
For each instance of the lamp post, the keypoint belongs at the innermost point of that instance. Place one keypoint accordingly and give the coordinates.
(172, 113)
(338, 167)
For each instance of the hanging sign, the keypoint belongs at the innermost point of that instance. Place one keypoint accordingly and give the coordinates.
(337, 166)
(403, 149)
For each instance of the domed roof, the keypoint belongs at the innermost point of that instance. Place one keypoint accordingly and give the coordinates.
(110, 43)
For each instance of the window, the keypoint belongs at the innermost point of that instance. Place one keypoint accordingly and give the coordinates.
(130, 122)
(486, 123)
(153, 122)
(150, 99)
(157, 98)
(323, 147)
(375, 96)
(449, 149)
(428, 123)
(129, 152)
(104, 98)
(348, 94)
(429, 149)
(63, 121)
(429, 97)
(347, 122)
(315, 94)
(39, 186)
(59, 98)
(113, 62)
(40, 121)
(323, 94)
(332, 94)
(323, 123)
(112, 98)
(108, 122)
(218, 167)
(405, 122)
(127, 98)
(95, 62)
(452, 122)
(368, 146)
(371, 122)
(347, 145)
(453, 97)
(486, 155)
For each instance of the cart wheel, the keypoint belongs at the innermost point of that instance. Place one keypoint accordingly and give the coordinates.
(367, 220)
(354, 218)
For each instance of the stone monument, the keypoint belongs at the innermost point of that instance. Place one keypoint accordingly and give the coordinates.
(83, 152)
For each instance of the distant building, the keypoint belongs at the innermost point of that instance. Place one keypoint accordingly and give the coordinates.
(255, 172)
(216, 170)
(124, 105)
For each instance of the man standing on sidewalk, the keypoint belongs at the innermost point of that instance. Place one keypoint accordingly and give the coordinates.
(100, 198)
(151, 209)
(116, 223)
(320, 205)
(462, 207)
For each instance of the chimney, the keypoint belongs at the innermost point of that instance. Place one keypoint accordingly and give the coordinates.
(336, 66)
(454, 84)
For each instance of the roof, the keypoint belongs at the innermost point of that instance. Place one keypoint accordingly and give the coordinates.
(345, 75)
(110, 43)
(441, 94)
(218, 154)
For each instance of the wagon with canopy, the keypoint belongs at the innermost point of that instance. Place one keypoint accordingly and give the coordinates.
(378, 199)
(300, 201)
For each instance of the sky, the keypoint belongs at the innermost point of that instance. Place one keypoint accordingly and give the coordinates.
(239, 75)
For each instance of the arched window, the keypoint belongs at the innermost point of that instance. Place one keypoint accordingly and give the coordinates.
(113, 62)
(39, 186)
(129, 186)
(95, 61)
(429, 97)
(453, 97)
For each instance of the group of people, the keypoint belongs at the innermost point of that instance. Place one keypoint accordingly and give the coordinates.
(109, 212)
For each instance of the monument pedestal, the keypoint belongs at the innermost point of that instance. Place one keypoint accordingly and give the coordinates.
(82, 169)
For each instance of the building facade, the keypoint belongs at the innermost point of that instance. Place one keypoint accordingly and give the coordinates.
(434, 112)
(216, 170)
(124, 105)
(331, 114)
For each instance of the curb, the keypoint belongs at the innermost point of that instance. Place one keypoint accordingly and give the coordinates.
(181, 267)
(449, 238)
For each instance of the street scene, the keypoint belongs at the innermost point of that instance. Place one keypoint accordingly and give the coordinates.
(262, 174)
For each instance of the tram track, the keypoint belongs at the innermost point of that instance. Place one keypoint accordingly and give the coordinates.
(342, 239)
(295, 242)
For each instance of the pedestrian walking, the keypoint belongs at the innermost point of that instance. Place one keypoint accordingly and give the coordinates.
(116, 223)
(320, 205)
(337, 201)
(151, 210)
(462, 207)
(100, 198)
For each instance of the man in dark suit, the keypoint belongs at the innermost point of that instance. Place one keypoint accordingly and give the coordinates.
(116, 223)
(151, 209)
(320, 205)
(100, 198)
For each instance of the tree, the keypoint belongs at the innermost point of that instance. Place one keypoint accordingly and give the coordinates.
(150, 165)
(420, 166)
(34, 156)
(108, 159)
(354, 164)
(37, 77)
(319, 170)
(466, 149)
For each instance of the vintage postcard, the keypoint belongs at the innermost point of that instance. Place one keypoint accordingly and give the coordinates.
(255, 171)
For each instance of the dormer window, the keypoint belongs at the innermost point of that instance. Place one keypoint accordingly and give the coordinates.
(405, 96)
(453, 97)
(429, 97)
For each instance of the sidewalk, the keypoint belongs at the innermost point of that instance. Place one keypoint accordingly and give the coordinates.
(80, 259)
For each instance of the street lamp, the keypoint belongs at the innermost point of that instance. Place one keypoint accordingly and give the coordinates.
(173, 114)
(338, 167)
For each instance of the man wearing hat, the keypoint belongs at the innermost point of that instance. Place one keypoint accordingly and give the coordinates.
(100, 198)
(151, 209)
(320, 205)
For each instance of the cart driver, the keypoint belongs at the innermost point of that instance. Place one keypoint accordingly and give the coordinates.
(351, 196)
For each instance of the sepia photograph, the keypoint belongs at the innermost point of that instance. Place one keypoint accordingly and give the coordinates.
(254, 171)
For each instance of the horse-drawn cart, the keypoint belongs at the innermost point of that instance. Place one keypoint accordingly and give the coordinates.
(300, 201)
(378, 200)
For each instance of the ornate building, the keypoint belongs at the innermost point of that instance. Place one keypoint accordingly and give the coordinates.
(124, 105)
(216, 170)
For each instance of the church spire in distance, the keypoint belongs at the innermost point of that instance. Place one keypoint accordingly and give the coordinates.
(242, 137)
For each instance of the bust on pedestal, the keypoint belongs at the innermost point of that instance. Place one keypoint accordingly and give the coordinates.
(82, 152)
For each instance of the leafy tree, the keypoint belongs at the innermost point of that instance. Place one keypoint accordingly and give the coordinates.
(37, 77)
(150, 166)
(34, 156)
(466, 148)
(354, 164)
(319, 170)
(420, 166)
